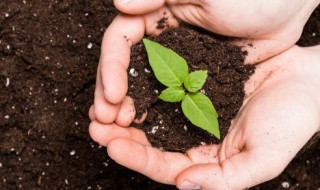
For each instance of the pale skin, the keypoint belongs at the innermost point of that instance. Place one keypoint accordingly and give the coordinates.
(281, 108)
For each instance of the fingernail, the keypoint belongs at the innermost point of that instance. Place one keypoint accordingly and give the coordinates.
(187, 185)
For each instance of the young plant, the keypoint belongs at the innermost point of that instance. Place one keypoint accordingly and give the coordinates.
(173, 72)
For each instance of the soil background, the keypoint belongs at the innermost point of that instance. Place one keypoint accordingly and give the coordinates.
(49, 51)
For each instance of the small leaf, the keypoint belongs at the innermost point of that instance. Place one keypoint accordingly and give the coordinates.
(169, 68)
(172, 94)
(200, 111)
(195, 80)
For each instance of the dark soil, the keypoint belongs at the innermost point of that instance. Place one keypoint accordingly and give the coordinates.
(47, 77)
(166, 126)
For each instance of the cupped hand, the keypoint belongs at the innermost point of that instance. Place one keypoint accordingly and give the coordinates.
(279, 115)
(264, 29)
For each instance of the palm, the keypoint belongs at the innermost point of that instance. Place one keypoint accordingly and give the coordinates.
(277, 119)
(270, 129)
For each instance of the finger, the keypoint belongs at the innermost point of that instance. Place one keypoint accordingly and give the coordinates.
(194, 15)
(145, 6)
(138, 6)
(264, 47)
(195, 2)
(241, 171)
(258, 50)
(261, 50)
(142, 119)
(123, 32)
(105, 112)
(204, 154)
(103, 134)
(91, 113)
(151, 162)
(127, 112)
(159, 20)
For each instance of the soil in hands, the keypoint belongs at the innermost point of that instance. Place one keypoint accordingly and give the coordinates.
(166, 126)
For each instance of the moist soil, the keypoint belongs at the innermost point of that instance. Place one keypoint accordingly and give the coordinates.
(49, 52)
(166, 126)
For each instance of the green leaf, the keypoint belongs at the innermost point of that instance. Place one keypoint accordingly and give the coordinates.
(195, 80)
(200, 111)
(172, 94)
(169, 68)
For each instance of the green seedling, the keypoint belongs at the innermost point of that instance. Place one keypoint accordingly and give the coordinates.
(172, 71)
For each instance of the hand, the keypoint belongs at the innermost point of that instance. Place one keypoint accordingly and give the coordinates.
(265, 29)
(279, 115)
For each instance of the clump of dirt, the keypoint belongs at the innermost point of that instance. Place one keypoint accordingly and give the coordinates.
(166, 126)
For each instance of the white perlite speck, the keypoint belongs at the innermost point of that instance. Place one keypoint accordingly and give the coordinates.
(8, 82)
(0, 165)
(72, 153)
(154, 129)
(7, 117)
(133, 72)
(285, 185)
(185, 127)
(89, 46)
(146, 70)
(6, 15)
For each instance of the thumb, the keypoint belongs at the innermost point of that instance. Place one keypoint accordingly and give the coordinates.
(138, 6)
(241, 171)
(146, 6)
